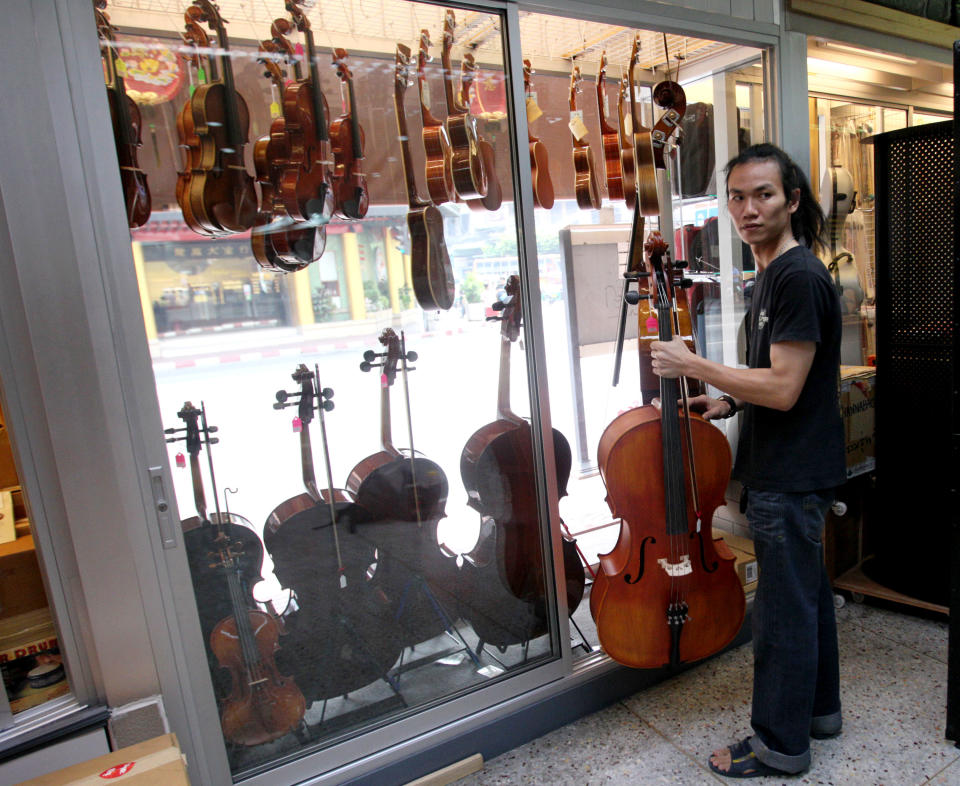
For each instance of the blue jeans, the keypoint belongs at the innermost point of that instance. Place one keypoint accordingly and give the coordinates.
(796, 680)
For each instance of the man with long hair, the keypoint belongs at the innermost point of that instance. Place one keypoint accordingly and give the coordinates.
(790, 458)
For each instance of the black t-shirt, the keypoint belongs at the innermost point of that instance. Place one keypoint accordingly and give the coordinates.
(802, 449)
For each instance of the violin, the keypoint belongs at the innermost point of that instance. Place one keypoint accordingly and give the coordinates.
(432, 273)
(539, 169)
(497, 468)
(467, 165)
(196, 150)
(665, 594)
(350, 195)
(224, 555)
(277, 243)
(127, 125)
(494, 196)
(642, 143)
(611, 138)
(436, 143)
(406, 497)
(220, 195)
(585, 184)
(343, 635)
(305, 186)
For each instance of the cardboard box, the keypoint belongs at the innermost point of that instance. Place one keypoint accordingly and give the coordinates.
(30, 661)
(746, 560)
(156, 762)
(21, 584)
(857, 385)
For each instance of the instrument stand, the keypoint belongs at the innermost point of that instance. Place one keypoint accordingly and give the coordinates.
(627, 297)
(422, 585)
(583, 639)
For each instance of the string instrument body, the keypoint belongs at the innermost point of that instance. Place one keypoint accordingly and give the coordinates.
(127, 126)
(628, 167)
(342, 636)
(221, 195)
(196, 150)
(644, 162)
(664, 594)
(493, 197)
(586, 186)
(350, 196)
(432, 273)
(543, 195)
(611, 138)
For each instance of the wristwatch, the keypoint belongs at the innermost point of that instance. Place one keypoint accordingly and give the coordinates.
(733, 405)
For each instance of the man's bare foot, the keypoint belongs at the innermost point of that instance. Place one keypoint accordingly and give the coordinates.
(721, 759)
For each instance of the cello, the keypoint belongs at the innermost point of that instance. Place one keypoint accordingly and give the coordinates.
(665, 594)
(586, 186)
(432, 273)
(350, 196)
(342, 636)
(497, 468)
(611, 138)
(127, 125)
(539, 162)
(262, 705)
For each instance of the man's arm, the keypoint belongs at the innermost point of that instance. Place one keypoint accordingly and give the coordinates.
(777, 387)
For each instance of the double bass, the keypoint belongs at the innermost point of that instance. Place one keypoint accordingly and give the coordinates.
(665, 594)
(432, 273)
(127, 125)
(343, 635)
(262, 705)
(497, 469)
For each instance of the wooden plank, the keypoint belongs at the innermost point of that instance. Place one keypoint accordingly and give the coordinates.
(856, 581)
(881, 19)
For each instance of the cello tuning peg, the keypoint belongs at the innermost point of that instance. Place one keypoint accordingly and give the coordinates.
(370, 356)
(327, 405)
(212, 429)
(282, 396)
(680, 264)
(412, 356)
(173, 439)
(632, 298)
(170, 431)
(327, 393)
(214, 441)
(279, 406)
(498, 305)
(494, 319)
(365, 366)
(686, 283)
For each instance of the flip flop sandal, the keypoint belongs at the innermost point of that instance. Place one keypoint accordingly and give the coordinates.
(745, 764)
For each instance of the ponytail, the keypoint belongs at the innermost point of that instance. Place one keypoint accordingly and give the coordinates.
(807, 221)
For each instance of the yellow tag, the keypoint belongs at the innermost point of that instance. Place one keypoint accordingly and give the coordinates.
(274, 109)
(121, 68)
(577, 127)
(533, 109)
(628, 125)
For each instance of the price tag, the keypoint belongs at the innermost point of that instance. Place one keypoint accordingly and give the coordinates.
(627, 125)
(533, 109)
(577, 126)
(120, 67)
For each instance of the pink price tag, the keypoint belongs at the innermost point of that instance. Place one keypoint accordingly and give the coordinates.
(181, 461)
(652, 325)
(297, 425)
(383, 381)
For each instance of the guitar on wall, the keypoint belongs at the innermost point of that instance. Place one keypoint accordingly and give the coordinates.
(611, 138)
(644, 161)
(436, 143)
(494, 196)
(539, 162)
(433, 282)
(586, 187)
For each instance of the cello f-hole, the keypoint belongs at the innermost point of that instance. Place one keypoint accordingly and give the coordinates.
(643, 546)
(703, 555)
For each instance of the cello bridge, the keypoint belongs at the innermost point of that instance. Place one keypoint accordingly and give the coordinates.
(674, 569)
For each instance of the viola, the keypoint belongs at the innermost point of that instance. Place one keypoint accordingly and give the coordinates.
(611, 138)
(628, 167)
(305, 187)
(666, 593)
(494, 196)
(224, 555)
(585, 182)
(436, 143)
(432, 273)
(507, 605)
(222, 196)
(127, 124)
(539, 162)
(406, 496)
(645, 173)
(467, 164)
(279, 244)
(343, 635)
(350, 195)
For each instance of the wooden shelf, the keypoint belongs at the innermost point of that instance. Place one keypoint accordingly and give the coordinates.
(855, 580)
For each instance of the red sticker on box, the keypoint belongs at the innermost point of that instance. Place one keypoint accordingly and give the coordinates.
(117, 770)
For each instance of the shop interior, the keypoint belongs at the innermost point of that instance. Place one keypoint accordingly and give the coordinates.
(309, 379)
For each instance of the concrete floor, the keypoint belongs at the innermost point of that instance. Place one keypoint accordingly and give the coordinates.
(894, 683)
